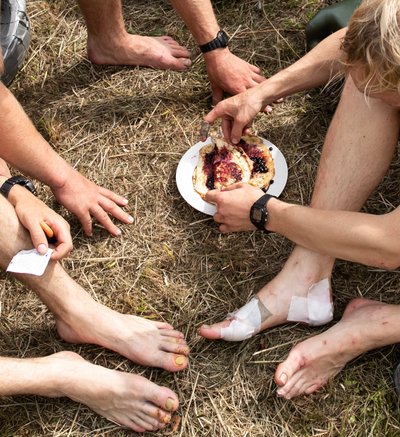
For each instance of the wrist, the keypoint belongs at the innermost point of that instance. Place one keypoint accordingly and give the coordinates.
(8, 187)
(215, 54)
(276, 209)
(60, 181)
(17, 193)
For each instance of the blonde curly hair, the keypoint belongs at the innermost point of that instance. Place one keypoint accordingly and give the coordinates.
(372, 44)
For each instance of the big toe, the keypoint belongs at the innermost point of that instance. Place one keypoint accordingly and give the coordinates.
(213, 332)
(164, 398)
(179, 63)
(288, 368)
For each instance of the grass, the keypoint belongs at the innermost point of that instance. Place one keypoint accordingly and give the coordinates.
(126, 128)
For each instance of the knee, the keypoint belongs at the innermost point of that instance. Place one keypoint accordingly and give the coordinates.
(13, 236)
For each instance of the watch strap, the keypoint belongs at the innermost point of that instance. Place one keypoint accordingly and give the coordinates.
(16, 180)
(221, 41)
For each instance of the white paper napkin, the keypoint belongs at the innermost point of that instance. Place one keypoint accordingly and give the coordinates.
(30, 262)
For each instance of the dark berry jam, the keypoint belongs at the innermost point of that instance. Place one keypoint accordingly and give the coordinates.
(259, 165)
(210, 182)
(254, 153)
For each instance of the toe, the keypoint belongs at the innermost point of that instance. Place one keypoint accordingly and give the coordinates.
(289, 367)
(297, 389)
(289, 388)
(176, 347)
(179, 52)
(178, 362)
(172, 333)
(213, 332)
(152, 423)
(311, 389)
(163, 325)
(144, 422)
(164, 398)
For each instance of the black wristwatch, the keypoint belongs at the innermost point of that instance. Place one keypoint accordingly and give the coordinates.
(17, 180)
(221, 41)
(259, 212)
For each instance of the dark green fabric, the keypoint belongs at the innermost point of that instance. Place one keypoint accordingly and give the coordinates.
(329, 20)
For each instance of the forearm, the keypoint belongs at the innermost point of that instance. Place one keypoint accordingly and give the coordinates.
(22, 146)
(314, 69)
(199, 17)
(353, 236)
(27, 376)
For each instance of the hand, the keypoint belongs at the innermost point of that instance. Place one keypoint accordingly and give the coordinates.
(230, 74)
(31, 211)
(233, 206)
(86, 200)
(237, 113)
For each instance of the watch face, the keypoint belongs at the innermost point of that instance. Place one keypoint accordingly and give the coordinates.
(257, 214)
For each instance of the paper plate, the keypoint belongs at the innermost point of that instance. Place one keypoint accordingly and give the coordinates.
(189, 161)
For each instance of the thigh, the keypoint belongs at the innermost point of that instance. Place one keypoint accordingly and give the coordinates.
(357, 151)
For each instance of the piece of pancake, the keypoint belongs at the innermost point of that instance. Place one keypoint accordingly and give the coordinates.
(263, 170)
(220, 165)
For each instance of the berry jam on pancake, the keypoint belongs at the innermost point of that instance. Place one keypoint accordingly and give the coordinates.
(263, 165)
(221, 165)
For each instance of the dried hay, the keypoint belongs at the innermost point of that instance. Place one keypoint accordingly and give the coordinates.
(126, 129)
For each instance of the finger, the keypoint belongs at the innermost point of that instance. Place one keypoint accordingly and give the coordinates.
(234, 186)
(211, 196)
(61, 250)
(104, 219)
(211, 116)
(113, 209)
(237, 130)
(62, 234)
(246, 131)
(255, 69)
(119, 200)
(86, 222)
(217, 94)
(258, 78)
(226, 126)
(224, 229)
(38, 237)
(267, 109)
(218, 218)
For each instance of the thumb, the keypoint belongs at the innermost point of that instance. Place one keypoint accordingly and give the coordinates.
(38, 238)
(233, 186)
(211, 196)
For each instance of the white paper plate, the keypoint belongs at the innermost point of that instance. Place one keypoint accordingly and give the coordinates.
(189, 161)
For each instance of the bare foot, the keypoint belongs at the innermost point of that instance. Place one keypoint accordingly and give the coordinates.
(303, 269)
(365, 325)
(145, 342)
(158, 52)
(126, 399)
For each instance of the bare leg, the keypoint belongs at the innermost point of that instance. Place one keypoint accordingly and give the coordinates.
(82, 320)
(109, 43)
(129, 400)
(365, 325)
(357, 152)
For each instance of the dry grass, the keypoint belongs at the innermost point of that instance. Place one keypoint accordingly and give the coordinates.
(126, 129)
